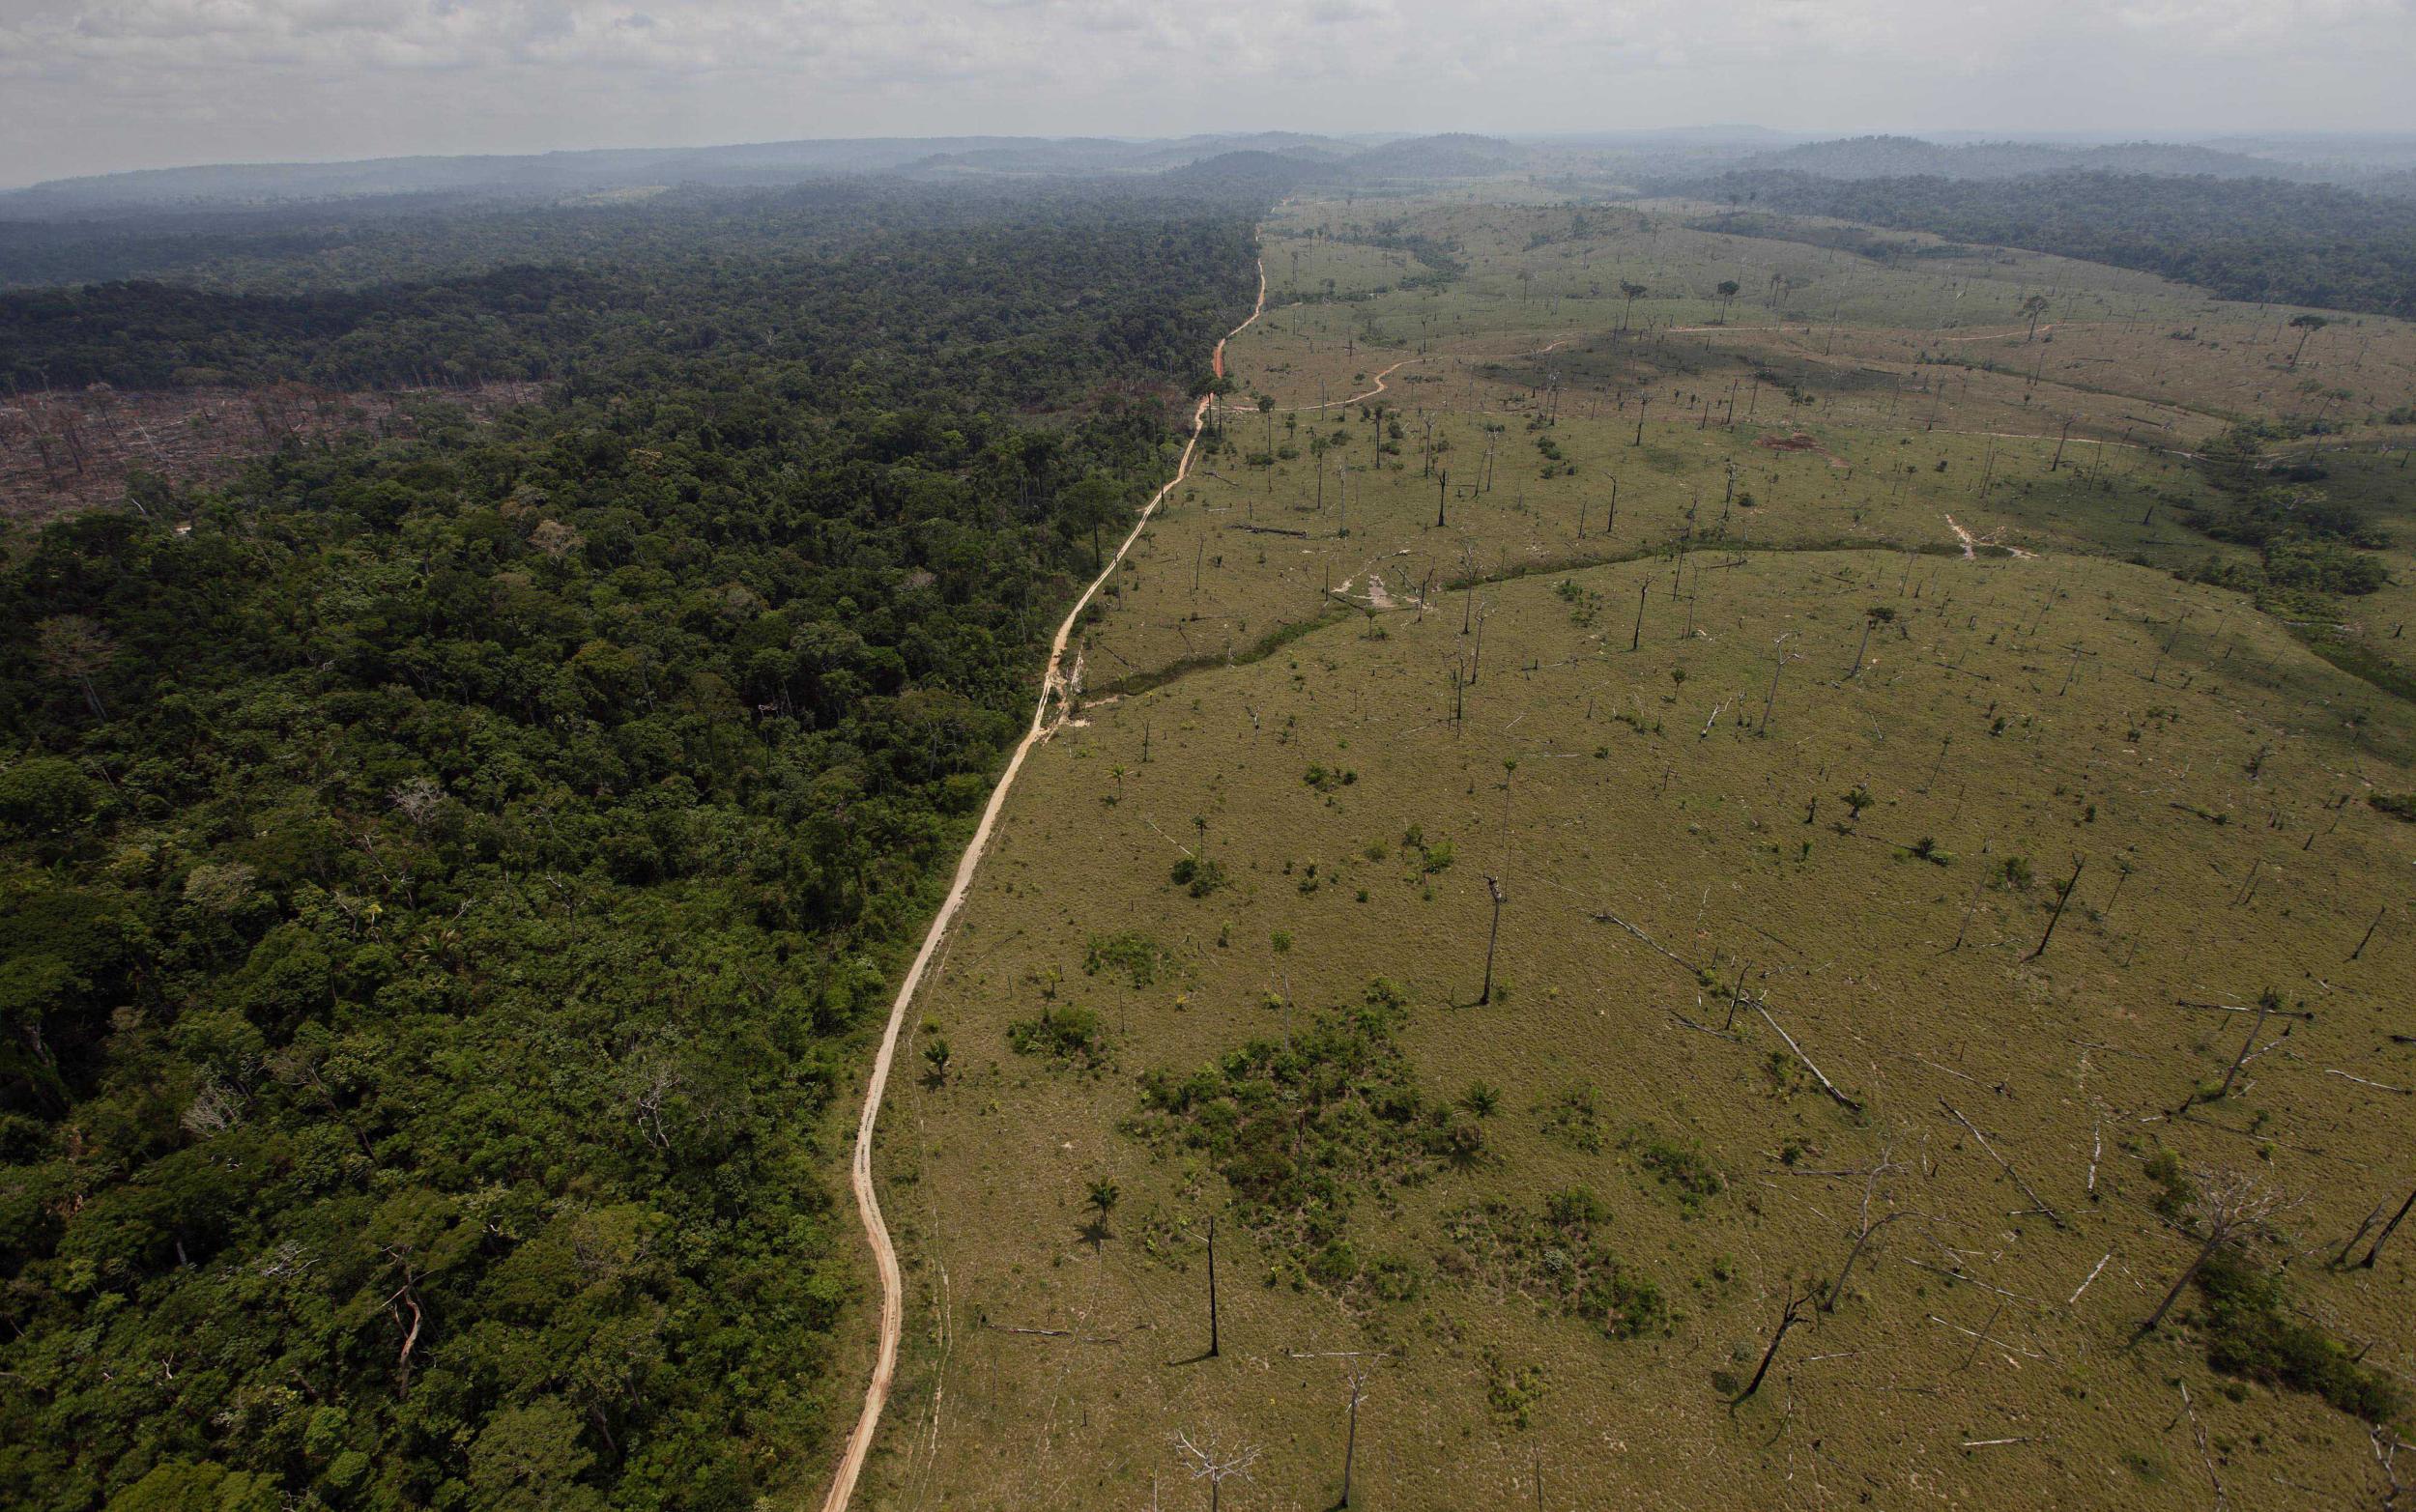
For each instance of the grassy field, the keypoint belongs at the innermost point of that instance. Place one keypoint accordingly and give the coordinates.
(1775, 783)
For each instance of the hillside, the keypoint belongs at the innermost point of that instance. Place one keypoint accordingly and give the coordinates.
(2247, 238)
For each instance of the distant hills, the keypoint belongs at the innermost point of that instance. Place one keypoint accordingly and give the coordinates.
(1894, 156)
(1289, 159)
(558, 175)
(2376, 170)
(1280, 160)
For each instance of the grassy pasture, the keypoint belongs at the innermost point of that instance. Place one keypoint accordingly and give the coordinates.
(1558, 1227)
(1664, 802)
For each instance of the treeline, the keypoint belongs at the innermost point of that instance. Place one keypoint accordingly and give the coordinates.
(355, 244)
(436, 891)
(2308, 544)
(2244, 239)
(823, 284)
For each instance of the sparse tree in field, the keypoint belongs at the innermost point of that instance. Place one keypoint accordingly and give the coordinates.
(1728, 288)
(1632, 292)
(2368, 937)
(2268, 1003)
(1354, 1375)
(1876, 616)
(2376, 1249)
(936, 1054)
(1868, 1226)
(1102, 1200)
(2227, 1209)
(1213, 1341)
(2307, 326)
(1266, 408)
(1215, 1463)
(1493, 885)
(1786, 1320)
(1857, 798)
(2034, 306)
(2063, 897)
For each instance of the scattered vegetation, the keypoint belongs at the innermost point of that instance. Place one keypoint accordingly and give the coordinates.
(1556, 1258)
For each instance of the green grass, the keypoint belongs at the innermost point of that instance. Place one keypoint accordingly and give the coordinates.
(1560, 1221)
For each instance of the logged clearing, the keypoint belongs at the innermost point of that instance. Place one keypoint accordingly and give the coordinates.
(1715, 902)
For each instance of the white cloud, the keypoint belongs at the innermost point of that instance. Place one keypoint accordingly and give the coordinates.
(89, 84)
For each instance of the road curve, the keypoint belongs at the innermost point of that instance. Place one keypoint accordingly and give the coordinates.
(1053, 682)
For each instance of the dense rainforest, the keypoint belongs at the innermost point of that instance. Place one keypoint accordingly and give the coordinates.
(443, 881)
(2244, 239)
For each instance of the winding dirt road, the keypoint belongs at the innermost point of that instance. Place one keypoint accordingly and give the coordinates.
(1048, 715)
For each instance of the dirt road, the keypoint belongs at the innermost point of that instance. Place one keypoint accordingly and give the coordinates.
(1048, 715)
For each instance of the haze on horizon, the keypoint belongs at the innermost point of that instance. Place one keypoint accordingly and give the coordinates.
(97, 86)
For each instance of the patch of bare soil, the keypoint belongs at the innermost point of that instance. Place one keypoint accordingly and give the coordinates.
(66, 450)
(1800, 442)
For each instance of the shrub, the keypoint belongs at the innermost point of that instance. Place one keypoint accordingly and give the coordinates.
(1064, 1034)
(1683, 1166)
(1556, 1260)
(1199, 877)
(1129, 953)
(2250, 1334)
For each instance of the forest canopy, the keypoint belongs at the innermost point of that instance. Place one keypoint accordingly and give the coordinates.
(439, 885)
(2243, 239)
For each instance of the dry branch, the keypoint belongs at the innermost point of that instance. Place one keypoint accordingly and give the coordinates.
(2038, 1204)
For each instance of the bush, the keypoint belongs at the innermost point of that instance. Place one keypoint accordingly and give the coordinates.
(1199, 877)
(1301, 1128)
(1130, 954)
(1682, 1166)
(1064, 1034)
(1556, 1258)
(2249, 1334)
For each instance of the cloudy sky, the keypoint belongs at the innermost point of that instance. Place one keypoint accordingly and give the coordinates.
(92, 85)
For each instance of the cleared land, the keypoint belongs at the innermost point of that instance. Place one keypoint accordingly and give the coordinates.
(1784, 776)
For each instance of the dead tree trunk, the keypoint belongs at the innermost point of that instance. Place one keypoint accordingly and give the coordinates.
(2368, 1263)
(2062, 897)
(2206, 1252)
(1787, 1320)
(1351, 1440)
(1492, 936)
(1212, 1286)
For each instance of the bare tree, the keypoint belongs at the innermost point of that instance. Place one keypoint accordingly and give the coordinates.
(1354, 1375)
(1867, 1227)
(2228, 1210)
(2062, 898)
(1215, 1463)
(1873, 618)
(1212, 1286)
(1786, 1320)
(418, 801)
(1494, 886)
(2368, 1263)
(2387, 1446)
(72, 647)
